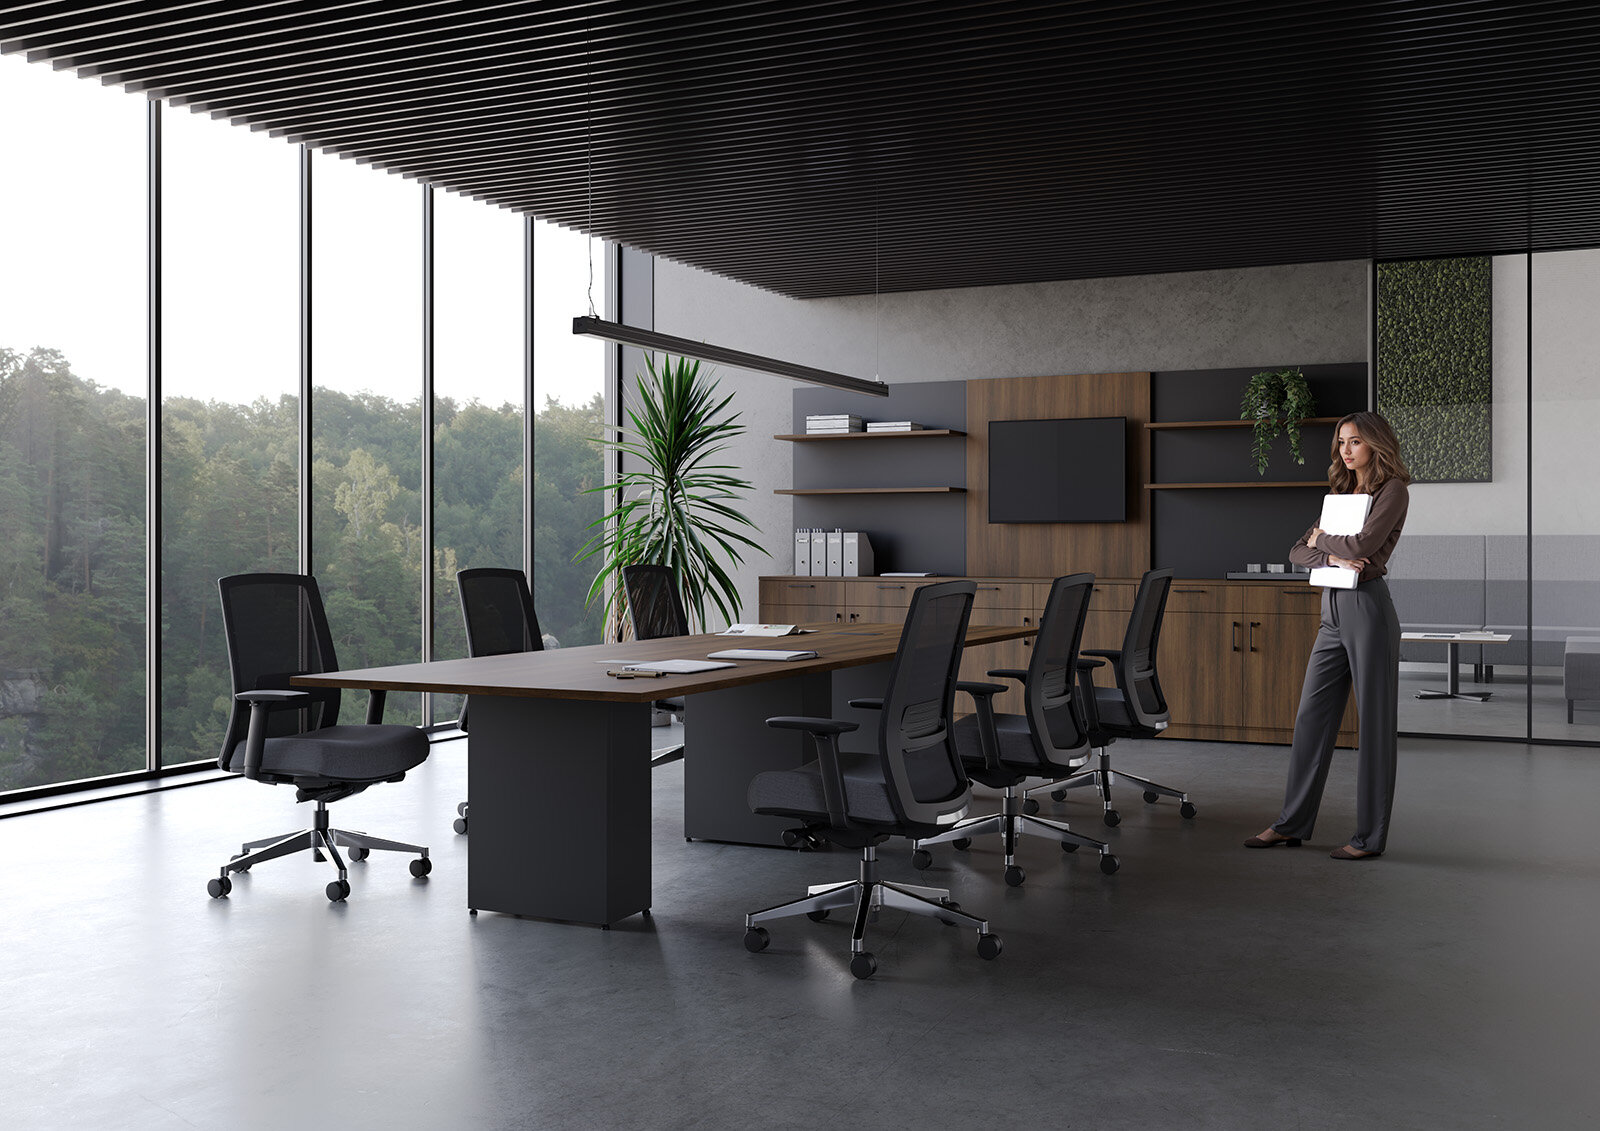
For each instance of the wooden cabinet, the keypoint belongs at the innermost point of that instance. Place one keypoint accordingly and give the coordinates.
(1232, 655)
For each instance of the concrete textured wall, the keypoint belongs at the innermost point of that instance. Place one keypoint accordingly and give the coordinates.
(1272, 316)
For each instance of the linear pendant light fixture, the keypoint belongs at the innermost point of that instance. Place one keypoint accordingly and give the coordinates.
(592, 327)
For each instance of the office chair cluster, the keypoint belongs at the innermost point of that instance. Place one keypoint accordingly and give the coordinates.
(912, 780)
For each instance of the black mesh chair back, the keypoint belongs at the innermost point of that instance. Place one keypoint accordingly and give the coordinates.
(915, 742)
(1136, 671)
(1055, 717)
(276, 628)
(654, 606)
(498, 611)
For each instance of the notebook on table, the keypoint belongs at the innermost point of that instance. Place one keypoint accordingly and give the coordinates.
(675, 667)
(763, 654)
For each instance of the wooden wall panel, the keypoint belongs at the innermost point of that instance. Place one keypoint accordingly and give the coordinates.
(1107, 549)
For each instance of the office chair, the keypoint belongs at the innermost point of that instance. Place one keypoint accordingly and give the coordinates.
(1049, 740)
(498, 611)
(912, 784)
(1135, 708)
(276, 628)
(657, 612)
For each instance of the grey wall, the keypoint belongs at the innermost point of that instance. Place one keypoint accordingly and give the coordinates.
(1298, 315)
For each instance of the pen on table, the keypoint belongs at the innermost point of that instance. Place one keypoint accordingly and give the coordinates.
(629, 673)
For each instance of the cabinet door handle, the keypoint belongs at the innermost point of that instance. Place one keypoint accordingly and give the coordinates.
(891, 587)
(853, 616)
(1255, 624)
(988, 588)
(1302, 592)
(1191, 590)
(794, 585)
(838, 616)
(1235, 636)
(1027, 641)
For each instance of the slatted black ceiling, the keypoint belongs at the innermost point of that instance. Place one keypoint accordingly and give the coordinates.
(826, 147)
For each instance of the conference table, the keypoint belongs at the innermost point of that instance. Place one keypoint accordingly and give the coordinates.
(559, 753)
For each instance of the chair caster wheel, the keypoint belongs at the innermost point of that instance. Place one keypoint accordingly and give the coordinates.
(1058, 795)
(817, 916)
(961, 843)
(922, 859)
(1151, 797)
(1112, 818)
(1030, 806)
(460, 826)
(1187, 810)
(1109, 864)
(989, 947)
(358, 854)
(756, 940)
(863, 965)
(338, 891)
(1070, 846)
(1015, 876)
(219, 887)
(461, 810)
(801, 842)
(421, 867)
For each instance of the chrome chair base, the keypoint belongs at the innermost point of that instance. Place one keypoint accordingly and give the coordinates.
(1009, 823)
(325, 843)
(1102, 777)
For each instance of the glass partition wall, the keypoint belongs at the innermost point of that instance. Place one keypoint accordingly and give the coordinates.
(149, 249)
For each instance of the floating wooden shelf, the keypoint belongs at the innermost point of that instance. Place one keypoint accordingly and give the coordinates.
(1155, 425)
(808, 437)
(1197, 486)
(870, 491)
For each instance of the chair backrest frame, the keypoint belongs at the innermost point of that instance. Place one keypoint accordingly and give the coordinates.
(275, 627)
(1136, 672)
(916, 741)
(497, 610)
(655, 606)
(1056, 721)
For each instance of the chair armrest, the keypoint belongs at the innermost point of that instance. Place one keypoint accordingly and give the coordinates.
(825, 732)
(1089, 665)
(981, 690)
(813, 725)
(1088, 707)
(867, 704)
(263, 703)
(1018, 674)
(983, 699)
(1112, 654)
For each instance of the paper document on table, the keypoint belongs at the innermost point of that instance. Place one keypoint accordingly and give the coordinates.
(763, 654)
(760, 630)
(1341, 514)
(675, 667)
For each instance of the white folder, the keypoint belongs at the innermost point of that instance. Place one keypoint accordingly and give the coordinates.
(1341, 514)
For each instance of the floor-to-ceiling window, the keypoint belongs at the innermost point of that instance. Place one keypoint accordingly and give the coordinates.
(230, 430)
(73, 381)
(366, 412)
(570, 271)
(479, 299)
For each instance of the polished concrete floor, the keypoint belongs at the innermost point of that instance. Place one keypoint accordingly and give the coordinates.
(1454, 983)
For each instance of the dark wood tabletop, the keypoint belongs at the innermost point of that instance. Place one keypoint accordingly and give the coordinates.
(580, 673)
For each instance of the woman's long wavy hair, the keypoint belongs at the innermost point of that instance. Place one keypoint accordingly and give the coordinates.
(1386, 461)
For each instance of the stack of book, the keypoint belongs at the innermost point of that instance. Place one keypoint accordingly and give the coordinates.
(894, 426)
(840, 423)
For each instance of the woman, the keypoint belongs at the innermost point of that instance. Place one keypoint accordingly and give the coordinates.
(1359, 641)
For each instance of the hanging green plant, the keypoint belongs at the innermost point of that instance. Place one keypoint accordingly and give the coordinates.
(674, 507)
(1277, 400)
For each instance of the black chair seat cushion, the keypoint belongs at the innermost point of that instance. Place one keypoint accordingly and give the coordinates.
(798, 792)
(360, 753)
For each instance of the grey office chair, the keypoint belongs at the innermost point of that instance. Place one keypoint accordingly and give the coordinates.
(912, 784)
(276, 628)
(1049, 740)
(498, 610)
(657, 612)
(1134, 708)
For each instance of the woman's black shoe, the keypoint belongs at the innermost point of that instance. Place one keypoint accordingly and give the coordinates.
(1283, 842)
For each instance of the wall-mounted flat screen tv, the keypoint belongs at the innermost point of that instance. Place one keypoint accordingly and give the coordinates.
(1059, 470)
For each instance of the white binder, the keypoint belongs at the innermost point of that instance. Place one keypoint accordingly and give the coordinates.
(835, 553)
(819, 552)
(802, 553)
(1341, 514)
(857, 554)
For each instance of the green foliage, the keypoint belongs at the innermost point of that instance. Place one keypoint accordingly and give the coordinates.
(72, 596)
(673, 509)
(1277, 400)
(1435, 365)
